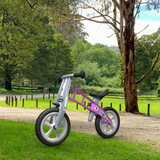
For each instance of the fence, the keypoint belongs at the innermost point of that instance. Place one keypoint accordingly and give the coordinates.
(28, 88)
(140, 96)
(11, 100)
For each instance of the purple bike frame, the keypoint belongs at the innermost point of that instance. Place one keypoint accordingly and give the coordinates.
(94, 106)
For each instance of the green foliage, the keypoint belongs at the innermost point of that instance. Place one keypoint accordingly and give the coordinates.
(78, 47)
(92, 72)
(112, 82)
(147, 47)
(98, 89)
(100, 64)
(63, 58)
(29, 45)
(17, 41)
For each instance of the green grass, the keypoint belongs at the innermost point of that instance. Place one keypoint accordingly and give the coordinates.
(13, 91)
(19, 142)
(143, 104)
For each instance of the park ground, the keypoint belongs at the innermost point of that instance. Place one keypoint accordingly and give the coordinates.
(145, 129)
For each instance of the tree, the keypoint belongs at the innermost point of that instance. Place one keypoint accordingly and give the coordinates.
(106, 59)
(145, 53)
(15, 53)
(63, 61)
(107, 12)
(17, 41)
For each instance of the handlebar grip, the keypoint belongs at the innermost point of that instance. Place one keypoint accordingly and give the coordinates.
(81, 74)
(59, 79)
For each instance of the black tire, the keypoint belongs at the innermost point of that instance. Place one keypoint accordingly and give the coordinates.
(52, 137)
(103, 128)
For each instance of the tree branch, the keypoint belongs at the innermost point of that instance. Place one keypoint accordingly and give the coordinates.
(31, 6)
(92, 19)
(142, 30)
(151, 69)
(101, 15)
(116, 3)
(138, 6)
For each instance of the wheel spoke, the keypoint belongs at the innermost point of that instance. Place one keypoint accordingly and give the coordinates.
(112, 117)
(47, 124)
(53, 119)
(49, 132)
(106, 128)
(57, 134)
(112, 126)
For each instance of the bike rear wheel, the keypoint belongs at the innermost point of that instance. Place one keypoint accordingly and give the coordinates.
(45, 131)
(103, 128)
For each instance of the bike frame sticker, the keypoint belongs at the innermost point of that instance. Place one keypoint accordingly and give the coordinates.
(96, 108)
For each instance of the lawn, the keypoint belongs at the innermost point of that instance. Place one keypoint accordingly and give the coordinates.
(45, 103)
(13, 91)
(19, 142)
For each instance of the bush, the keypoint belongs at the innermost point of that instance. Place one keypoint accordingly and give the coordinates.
(110, 82)
(97, 89)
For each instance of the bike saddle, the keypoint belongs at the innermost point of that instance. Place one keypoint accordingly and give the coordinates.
(100, 95)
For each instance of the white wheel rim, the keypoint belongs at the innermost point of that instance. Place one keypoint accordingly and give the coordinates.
(56, 134)
(105, 127)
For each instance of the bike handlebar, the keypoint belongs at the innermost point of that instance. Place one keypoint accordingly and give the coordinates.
(81, 74)
(59, 79)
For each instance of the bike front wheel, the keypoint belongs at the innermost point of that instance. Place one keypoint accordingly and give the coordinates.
(45, 130)
(103, 128)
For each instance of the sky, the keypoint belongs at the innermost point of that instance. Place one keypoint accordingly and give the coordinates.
(99, 33)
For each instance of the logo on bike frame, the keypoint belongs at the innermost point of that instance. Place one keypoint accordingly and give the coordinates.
(96, 108)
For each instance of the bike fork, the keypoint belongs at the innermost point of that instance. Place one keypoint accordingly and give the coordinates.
(62, 99)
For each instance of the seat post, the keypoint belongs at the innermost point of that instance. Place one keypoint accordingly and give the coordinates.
(91, 114)
(96, 99)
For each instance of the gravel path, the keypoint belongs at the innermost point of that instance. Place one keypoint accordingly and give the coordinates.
(137, 128)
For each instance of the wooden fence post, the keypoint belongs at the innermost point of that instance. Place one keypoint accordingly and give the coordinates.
(119, 107)
(32, 97)
(20, 97)
(77, 106)
(148, 112)
(111, 105)
(9, 100)
(43, 96)
(102, 104)
(50, 103)
(85, 105)
(53, 95)
(12, 100)
(26, 97)
(36, 103)
(6, 99)
(49, 96)
(23, 102)
(16, 102)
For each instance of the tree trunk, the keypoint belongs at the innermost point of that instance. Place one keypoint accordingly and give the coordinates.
(8, 82)
(130, 92)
